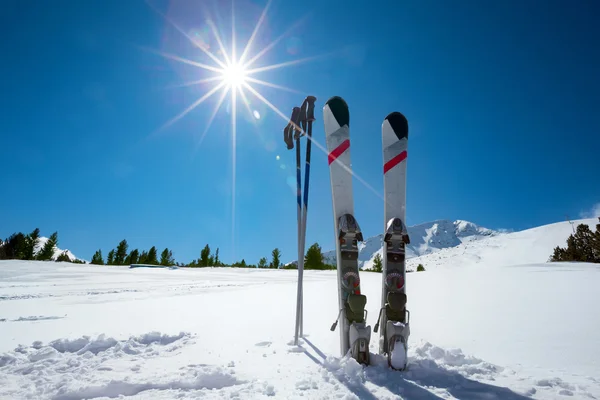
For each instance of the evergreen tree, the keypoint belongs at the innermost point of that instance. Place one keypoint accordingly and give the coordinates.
(377, 263)
(63, 257)
(47, 252)
(262, 263)
(110, 260)
(166, 257)
(133, 257)
(217, 261)
(121, 253)
(14, 247)
(97, 258)
(583, 245)
(314, 257)
(276, 254)
(143, 259)
(152, 256)
(31, 241)
(420, 268)
(204, 256)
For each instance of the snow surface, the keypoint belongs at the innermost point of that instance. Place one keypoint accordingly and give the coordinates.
(478, 331)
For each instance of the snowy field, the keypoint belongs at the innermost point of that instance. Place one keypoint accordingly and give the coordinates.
(93, 332)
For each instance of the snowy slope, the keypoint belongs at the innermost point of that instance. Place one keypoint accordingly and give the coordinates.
(425, 238)
(81, 331)
(524, 247)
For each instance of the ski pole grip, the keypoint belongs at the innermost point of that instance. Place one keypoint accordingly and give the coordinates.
(310, 112)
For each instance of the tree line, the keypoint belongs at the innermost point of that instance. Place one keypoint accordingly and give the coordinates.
(583, 245)
(20, 246)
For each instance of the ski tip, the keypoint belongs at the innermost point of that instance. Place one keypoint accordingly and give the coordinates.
(339, 109)
(399, 124)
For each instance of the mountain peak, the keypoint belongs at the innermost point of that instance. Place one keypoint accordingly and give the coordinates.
(425, 238)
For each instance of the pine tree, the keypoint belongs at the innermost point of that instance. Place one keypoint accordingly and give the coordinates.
(97, 258)
(31, 241)
(276, 254)
(121, 253)
(63, 257)
(143, 259)
(110, 260)
(14, 247)
(204, 256)
(420, 268)
(47, 252)
(217, 261)
(152, 256)
(166, 258)
(377, 263)
(133, 257)
(262, 263)
(314, 257)
(583, 245)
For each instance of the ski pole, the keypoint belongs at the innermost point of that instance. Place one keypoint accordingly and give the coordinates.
(307, 115)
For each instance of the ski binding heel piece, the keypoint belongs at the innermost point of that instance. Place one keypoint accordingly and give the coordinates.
(359, 334)
(397, 334)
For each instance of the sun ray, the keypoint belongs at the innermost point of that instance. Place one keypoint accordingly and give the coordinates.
(245, 100)
(212, 117)
(285, 64)
(254, 32)
(315, 142)
(233, 166)
(196, 82)
(193, 105)
(273, 85)
(182, 60)
(273, 43)
(213, 27)
(233, 57)
(169, 20)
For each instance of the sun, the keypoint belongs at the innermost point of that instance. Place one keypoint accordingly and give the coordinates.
(234, 75)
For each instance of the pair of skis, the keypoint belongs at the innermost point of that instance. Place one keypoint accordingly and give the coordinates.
(393, 318)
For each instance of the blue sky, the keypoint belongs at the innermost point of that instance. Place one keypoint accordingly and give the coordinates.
(502, 101)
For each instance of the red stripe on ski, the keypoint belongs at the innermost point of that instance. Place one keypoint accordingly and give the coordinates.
(338, 151)
(394, 161)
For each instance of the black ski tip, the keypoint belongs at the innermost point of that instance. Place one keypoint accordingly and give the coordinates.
(339, 108)
(399, 124)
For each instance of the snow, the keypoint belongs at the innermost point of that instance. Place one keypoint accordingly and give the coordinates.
(509, 329)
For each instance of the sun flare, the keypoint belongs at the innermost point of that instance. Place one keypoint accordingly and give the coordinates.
(234, 75)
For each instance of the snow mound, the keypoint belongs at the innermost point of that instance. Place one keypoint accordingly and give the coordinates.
(85, 367)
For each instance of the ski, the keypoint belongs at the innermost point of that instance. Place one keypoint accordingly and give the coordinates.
(354, 333)
(393, 315)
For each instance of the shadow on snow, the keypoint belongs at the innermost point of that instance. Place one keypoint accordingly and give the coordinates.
(422, 373)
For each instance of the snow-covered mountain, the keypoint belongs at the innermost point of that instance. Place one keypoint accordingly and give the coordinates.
(57, 251)
(426, 238)
(529, 246)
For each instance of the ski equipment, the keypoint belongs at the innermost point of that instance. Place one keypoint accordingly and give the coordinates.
(299, 125)
(354, 333)
(393, 316)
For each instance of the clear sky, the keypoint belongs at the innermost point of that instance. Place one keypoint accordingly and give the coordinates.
(502, 99)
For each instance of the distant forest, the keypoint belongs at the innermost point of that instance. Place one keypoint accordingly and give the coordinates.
(20, 246)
